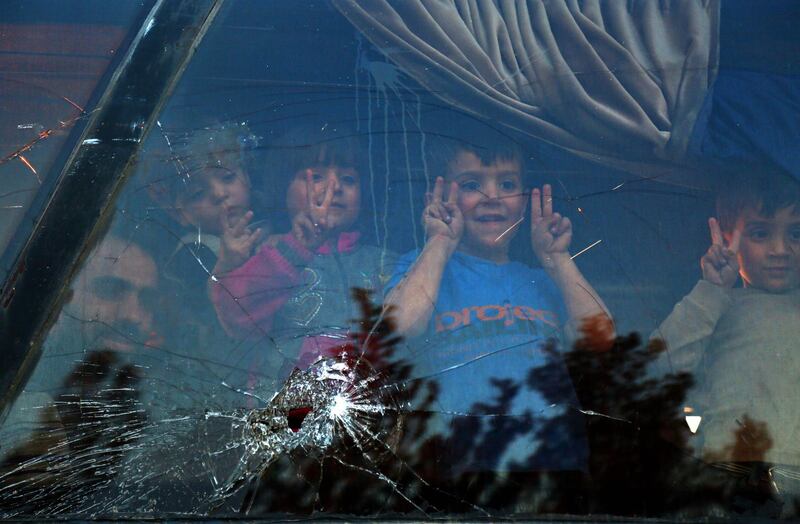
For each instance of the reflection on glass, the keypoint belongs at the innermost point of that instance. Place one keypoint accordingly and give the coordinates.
(52, 58)
(349, 275)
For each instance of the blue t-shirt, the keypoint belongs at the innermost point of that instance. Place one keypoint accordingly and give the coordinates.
(491, 325)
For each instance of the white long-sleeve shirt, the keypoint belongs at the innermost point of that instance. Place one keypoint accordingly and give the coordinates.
(743, 348)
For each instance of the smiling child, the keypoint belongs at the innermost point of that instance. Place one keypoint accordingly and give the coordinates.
(482, 320)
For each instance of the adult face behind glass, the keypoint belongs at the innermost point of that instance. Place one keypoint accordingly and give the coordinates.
(114, 298)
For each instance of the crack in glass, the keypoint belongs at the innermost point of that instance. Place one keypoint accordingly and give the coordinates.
(147, 405)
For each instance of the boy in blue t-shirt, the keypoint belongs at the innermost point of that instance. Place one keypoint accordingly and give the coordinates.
(481, 322)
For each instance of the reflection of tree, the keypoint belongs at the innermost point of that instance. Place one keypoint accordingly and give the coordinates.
(81, 438)
(637, 438)
(641, 460)
(640, 457)
(751, 441)
(415, 473)
(640, 463)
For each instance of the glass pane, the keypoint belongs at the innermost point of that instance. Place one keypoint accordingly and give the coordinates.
(53, 57)
(441, 261)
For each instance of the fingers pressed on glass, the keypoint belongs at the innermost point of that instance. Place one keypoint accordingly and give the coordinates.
(452, 195)
(536, 205)
(255, 236)
(240, 225)
(564, 225)
(328, 198)
(547, 200)
(431, 210)
(438, 211)
(716, 233)
(310, 189)
(438, 189)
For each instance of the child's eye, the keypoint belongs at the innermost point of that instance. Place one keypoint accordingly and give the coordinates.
(794, 235)
(348, 180)
(196, 195)
(317, 177)
(229, 176)
(758, 234)
(508, 185)
(469, 185)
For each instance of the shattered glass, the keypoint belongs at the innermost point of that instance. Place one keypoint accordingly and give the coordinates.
(150, 400)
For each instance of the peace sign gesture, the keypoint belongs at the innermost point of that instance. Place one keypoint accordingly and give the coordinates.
(237, 242)
(318, 211)
(310, 225)
(443, 217)
(551, 233)
(720, 263)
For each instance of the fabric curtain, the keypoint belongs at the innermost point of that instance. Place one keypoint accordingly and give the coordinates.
(620, 82)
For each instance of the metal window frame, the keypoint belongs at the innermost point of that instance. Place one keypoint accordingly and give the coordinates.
(82, 203)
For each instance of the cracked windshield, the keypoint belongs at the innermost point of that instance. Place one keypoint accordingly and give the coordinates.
(414, 259)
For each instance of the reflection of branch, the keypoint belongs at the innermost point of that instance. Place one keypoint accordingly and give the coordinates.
(43, 135)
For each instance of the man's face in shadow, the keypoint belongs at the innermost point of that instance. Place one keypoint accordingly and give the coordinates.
(115, 297)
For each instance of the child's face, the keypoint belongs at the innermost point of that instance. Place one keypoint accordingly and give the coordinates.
(212, 195)
(769, 253)
(491, 199)
(346, 202)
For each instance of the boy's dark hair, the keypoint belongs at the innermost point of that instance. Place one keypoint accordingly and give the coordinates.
(764, 190)
(299, 147)
(489, 144)
(460, 133)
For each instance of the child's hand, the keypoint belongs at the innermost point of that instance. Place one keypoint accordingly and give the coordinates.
(721, 264)
(551, 233)
(237, 242)
(442, 218)
(310, 227)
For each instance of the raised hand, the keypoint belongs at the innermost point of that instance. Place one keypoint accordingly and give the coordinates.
(318, 207)
(442, 218)
(237, 242)
(551, 233)
(721, 263)
(310, 226)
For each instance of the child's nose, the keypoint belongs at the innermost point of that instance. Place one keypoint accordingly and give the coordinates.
(491, 192)
(333, 178)
(778, 245)
(219, 190)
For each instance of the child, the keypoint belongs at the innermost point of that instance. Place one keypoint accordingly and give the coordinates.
(296, 290)
(741, 343)
(486, 319)
(204, 188)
